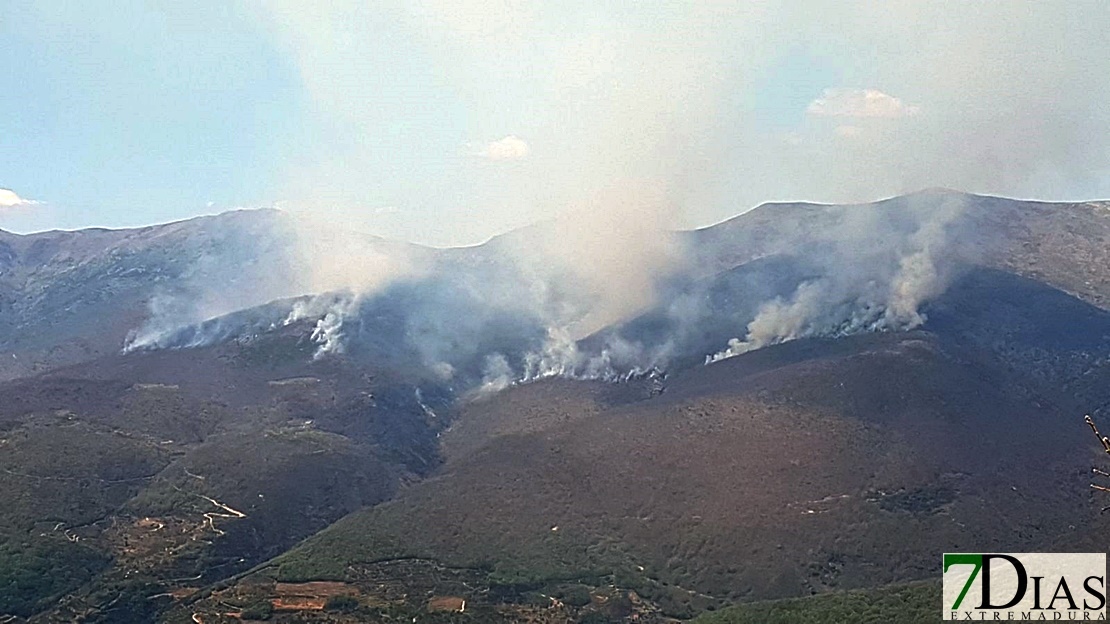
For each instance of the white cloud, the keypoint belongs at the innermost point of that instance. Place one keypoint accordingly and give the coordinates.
(509, 148)
(860, 103)
(9, 199)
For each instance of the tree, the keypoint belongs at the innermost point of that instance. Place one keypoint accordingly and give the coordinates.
(1106, 447)
(343, 602)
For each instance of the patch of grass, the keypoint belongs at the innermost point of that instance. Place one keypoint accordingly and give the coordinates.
(920, 500)
(906, 604)
(274, 351)
(302, 569)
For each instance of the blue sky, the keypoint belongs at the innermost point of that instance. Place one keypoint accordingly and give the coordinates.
(117, 113)
(447, 122)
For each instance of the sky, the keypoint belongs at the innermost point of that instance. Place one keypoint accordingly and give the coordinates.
(445, 122)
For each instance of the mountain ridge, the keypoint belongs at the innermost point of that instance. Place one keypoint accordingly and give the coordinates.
(911, 368)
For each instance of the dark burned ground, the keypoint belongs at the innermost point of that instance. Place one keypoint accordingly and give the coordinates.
(150, 485)
(819, 466)
(801, 469)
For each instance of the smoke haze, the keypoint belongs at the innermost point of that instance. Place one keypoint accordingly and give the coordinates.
(876, 273)
(601, 130)
(721, 106)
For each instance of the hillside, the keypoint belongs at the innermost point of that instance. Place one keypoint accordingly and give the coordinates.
(813, 466)
(914, 603)
(164, 471)
(818, 399)
(833, 472)
(70, 297)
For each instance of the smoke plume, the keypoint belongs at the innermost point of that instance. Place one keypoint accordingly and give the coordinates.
(875, 275)
(587, 135)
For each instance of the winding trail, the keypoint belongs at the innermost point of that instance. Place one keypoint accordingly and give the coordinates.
(210, 516)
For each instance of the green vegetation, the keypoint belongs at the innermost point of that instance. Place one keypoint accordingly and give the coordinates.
(131, 467)
(301, 569)
(161, 498)
(595, 617)
(406, 614)
(342, 602)
(35, 571)
(921, 500)
(130, 601)
(906, 604)
(73, 473)
(261, 610)
(274, 352)
(576, 595)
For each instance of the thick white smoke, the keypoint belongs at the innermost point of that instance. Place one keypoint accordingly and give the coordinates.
(245, 259)
(876, 279)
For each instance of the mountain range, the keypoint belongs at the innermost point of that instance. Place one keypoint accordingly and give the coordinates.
(236, 417)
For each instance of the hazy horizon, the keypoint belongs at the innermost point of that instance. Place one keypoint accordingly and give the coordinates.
(446, 123)
(547, 220)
